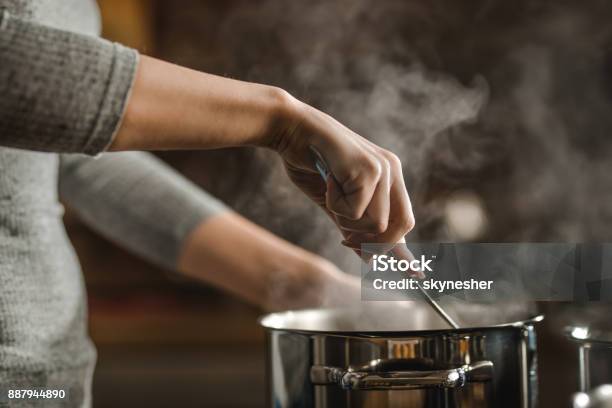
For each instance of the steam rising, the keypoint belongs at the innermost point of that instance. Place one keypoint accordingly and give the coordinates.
(511, 104)
(354, 61)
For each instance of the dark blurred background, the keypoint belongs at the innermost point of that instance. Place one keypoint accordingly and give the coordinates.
(499, 110)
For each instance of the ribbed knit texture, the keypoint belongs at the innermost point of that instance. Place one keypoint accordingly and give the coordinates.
(63, 92)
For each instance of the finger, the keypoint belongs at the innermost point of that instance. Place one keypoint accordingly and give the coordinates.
(352, 247)
(350, 197)
(376, 216)
(351, 244)
(310, 183)
(401, 218)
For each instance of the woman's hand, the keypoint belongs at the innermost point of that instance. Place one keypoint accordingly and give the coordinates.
(173, 107)
(365, 194)
(315, 283)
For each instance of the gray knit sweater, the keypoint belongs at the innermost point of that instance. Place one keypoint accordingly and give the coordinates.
(62, 95)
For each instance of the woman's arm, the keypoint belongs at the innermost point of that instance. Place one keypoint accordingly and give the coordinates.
(66, 92)
(172, 107)
(139, 202)
(242, 258)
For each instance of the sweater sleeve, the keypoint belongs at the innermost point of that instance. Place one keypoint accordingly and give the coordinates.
(136, 200)
(60, 91)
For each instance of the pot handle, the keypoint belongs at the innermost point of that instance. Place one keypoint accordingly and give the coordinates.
(371, 378)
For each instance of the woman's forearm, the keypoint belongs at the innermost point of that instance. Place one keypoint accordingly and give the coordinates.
(172, 107)
(240, 257)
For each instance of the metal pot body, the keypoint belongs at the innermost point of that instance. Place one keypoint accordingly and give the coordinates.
(475, 367)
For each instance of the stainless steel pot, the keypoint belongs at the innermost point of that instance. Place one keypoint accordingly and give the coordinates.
(374, 358)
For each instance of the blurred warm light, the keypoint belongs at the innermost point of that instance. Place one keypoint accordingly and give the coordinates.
(465, 216)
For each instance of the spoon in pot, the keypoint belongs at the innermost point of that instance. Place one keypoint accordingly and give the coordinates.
(400, 250)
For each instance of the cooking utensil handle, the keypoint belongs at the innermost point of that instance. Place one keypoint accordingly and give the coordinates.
(349, 379)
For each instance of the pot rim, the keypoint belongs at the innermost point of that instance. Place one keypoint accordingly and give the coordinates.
(268, 322)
